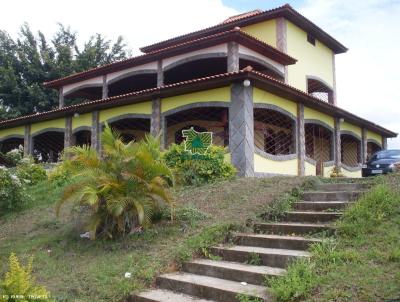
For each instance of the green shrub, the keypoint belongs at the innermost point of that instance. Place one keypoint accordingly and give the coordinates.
(195, 169)
(18, 281)
(59, 175)
(30, 173)
(12, 193)
(13, 157)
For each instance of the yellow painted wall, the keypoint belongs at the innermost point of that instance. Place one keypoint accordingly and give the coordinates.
(352, 128)
(354, 174)
(264, 165)
(12, 131)
(310, 169)
(138, 108)
(311, 60)
(57, 123)
(213, 95)
(82, 120)
(374, 136)
(265, 31)
(264, 97)
(316, 115)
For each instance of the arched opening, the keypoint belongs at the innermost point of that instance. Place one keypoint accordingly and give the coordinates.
(372, 148)
(320, 90)
(132, 83)
(131, 129)
(319, 145)
(195, 69)
(10, 144)
(88, 93)
(350, 150)
(243, 63)
(206, 119)
(274, 132)
(82, 138)
(48, 146)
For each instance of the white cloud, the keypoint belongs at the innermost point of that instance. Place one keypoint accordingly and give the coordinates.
(368, 74)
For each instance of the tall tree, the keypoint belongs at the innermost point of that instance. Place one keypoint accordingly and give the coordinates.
(30, 60)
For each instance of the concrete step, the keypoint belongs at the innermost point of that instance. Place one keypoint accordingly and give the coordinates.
(331, 196)
(313, 217)
(161, 295)
(233, 271)
(293, 228)
(268, 256)
(210, 287)
(341, 187)
(275, 241)
(320, 205)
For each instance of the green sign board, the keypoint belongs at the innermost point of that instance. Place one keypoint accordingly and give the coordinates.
(197, 142)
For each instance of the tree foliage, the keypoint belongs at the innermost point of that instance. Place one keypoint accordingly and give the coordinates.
(31, 59)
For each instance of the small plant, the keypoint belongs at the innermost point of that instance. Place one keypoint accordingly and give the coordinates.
(254, 259)
(336, 172)
(248, 298)
(29, 172)
(13, 157)
(13, 195)
(206, 253)
(19, 284)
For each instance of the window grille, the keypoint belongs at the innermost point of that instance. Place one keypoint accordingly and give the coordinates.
(131, 129)
(351, 150)
(82, 138)
(47, 147)
(372, 148)
(318, 143)
(274, 132)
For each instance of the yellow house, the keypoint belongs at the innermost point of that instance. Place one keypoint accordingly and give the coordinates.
(263, 82)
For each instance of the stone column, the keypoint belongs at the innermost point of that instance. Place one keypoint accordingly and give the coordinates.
(233, 57)
(384, 143)
(28, 144)
(104, 93)
(281, 40)
(96, 131)
(68, 132)
(337, 144)
(60, 98)
(301, 140)
(364, 146)
(160, 74)
(241, 129)
(155, 124)
(332, 96)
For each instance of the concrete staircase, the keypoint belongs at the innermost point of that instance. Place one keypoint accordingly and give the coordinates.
(269, 250)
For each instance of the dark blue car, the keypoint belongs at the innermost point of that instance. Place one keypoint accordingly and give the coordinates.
(381, 162)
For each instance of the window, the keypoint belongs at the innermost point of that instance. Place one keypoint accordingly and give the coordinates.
(311, 39)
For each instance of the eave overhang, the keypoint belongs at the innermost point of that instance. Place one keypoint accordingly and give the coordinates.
(285, 11)
(233, 35)
(258, 79)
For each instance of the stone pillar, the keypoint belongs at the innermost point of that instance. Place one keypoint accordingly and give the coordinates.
(233, 57)
(332, 96)
(60, 98)
(384, 143)
(104, 93)
(68, 132)
(241, 129)
(337, 144)
(155, 124)
(281, 40)
(160, 74)
(301, 140)
(364, 146)
(28, 144)
(96, 131)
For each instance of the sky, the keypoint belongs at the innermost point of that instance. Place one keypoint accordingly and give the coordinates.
(367, 75)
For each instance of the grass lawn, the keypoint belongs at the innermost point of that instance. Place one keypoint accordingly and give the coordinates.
(75, 269)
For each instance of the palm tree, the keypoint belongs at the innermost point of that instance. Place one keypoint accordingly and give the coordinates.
(122, 187)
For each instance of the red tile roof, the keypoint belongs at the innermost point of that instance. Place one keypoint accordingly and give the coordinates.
(259, 79)
(285, 11)
(234, 34)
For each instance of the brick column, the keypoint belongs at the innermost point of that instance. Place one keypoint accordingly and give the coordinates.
(68, 132)
(233, 57)
(155, 124)
(160, 74)
(60, 98)
(384, 143)
(301, 140)
(364, 147)
(96, 131)
(104, 93)
(337, 144)
(28, 144)
(241, 129)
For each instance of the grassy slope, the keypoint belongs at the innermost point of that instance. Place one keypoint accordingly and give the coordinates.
(75, 269)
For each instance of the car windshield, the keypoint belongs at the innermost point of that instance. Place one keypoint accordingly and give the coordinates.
(388, 154)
